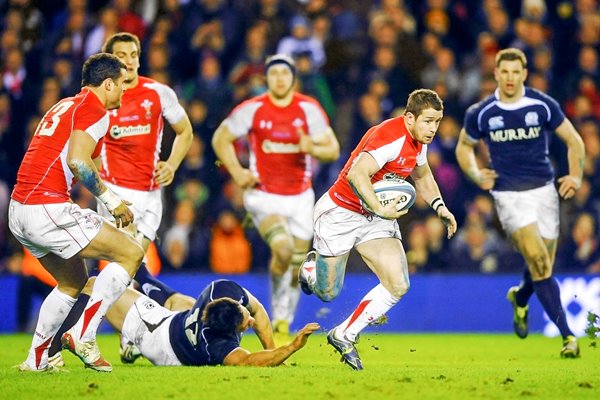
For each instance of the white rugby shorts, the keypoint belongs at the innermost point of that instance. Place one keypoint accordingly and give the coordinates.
(63, 228)
(297, 209)
(147, 326)
(519, 209)
(146, 206)
(337, 230)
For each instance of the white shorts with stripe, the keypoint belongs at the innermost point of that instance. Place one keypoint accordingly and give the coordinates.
(338, 230)
(297, 209)
(146, 207)
(519, 209)
(147, 326)
(63, 228)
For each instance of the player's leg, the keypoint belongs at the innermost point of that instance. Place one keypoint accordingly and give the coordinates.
(275, 232)
(71, 276)
(125, 256)
(301, 247)
(538, 258)
(386, 258)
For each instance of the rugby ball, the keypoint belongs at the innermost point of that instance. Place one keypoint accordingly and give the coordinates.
(388, 190)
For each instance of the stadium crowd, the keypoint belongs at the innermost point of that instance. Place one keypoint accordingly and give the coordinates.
(360, 59)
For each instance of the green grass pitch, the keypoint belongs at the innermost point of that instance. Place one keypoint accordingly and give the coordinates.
(411, 366)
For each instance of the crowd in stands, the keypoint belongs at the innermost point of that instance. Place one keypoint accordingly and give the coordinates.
(360, 59)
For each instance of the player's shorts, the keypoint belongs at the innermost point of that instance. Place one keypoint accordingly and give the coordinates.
(338, 230)
(519, 209)
(146, 207)
(63, 228)
(297, 209)
(147, 326)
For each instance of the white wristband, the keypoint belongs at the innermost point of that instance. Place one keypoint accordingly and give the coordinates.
(110, 200)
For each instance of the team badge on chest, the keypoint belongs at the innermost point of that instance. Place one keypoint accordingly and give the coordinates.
(147, 105)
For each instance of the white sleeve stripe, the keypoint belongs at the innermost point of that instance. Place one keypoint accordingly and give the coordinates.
(171, 109)
(317, 123)
(422, 156)
(239, 122)
(388, 152)
(98, 129)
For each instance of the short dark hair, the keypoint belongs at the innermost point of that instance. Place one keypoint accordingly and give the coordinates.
(223, 315)
(121, 37)
(99, 67)
(511, 54)
(422, 99)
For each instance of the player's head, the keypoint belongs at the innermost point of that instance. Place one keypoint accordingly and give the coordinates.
(424, 111)
(127, 48)
(510, 73)
(107, 73)
(226, 315)
(280, 71)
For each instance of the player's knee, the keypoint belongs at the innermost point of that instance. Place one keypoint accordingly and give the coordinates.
(327, 294)
(283, 254)
(399, 289)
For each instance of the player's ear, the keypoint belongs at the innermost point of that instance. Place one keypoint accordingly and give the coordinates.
(410, 118)
(108, 84)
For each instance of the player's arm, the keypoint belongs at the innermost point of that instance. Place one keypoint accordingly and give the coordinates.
(274, 357)
(262, 324)
(79, 160)
(427, 187)
(569, 184)
(465, 155)
(222, 143)
(165, 170)
(324, 147)
(359, 177)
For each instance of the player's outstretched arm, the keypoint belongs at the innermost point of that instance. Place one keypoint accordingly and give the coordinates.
(262, 323)
(271, 358)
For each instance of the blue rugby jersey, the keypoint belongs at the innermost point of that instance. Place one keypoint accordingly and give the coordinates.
(197, 345)
(518, 137)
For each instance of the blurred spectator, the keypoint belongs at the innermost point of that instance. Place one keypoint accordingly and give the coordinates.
(311, 82)
(581, 253)
(129, 20)
(230, 252)
(108, 25)
(248, 74)
(301, 41)
(176, 242)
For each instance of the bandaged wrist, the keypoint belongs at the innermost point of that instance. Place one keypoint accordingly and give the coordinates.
(110, 200)
(437, 203)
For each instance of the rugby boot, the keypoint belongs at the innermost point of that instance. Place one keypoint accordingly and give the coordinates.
(87, 352)
(346, 349)
(520, 314)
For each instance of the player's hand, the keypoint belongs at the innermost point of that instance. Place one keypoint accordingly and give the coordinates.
(303, 334)
(448, 220)
(246, 179)
(164, 173)
(122, 214)
(486, 178)
(568, 185)
(389, 211)
(306, 144)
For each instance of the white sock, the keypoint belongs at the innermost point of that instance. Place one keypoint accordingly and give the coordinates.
(54, 310)
(109, 286)
(280, 295)
(375, 304)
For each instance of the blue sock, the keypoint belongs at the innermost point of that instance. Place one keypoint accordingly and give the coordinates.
(152, 287)
(525, 289)
(548, 293)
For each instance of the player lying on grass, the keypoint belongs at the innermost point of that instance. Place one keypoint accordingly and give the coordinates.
(207, 334)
